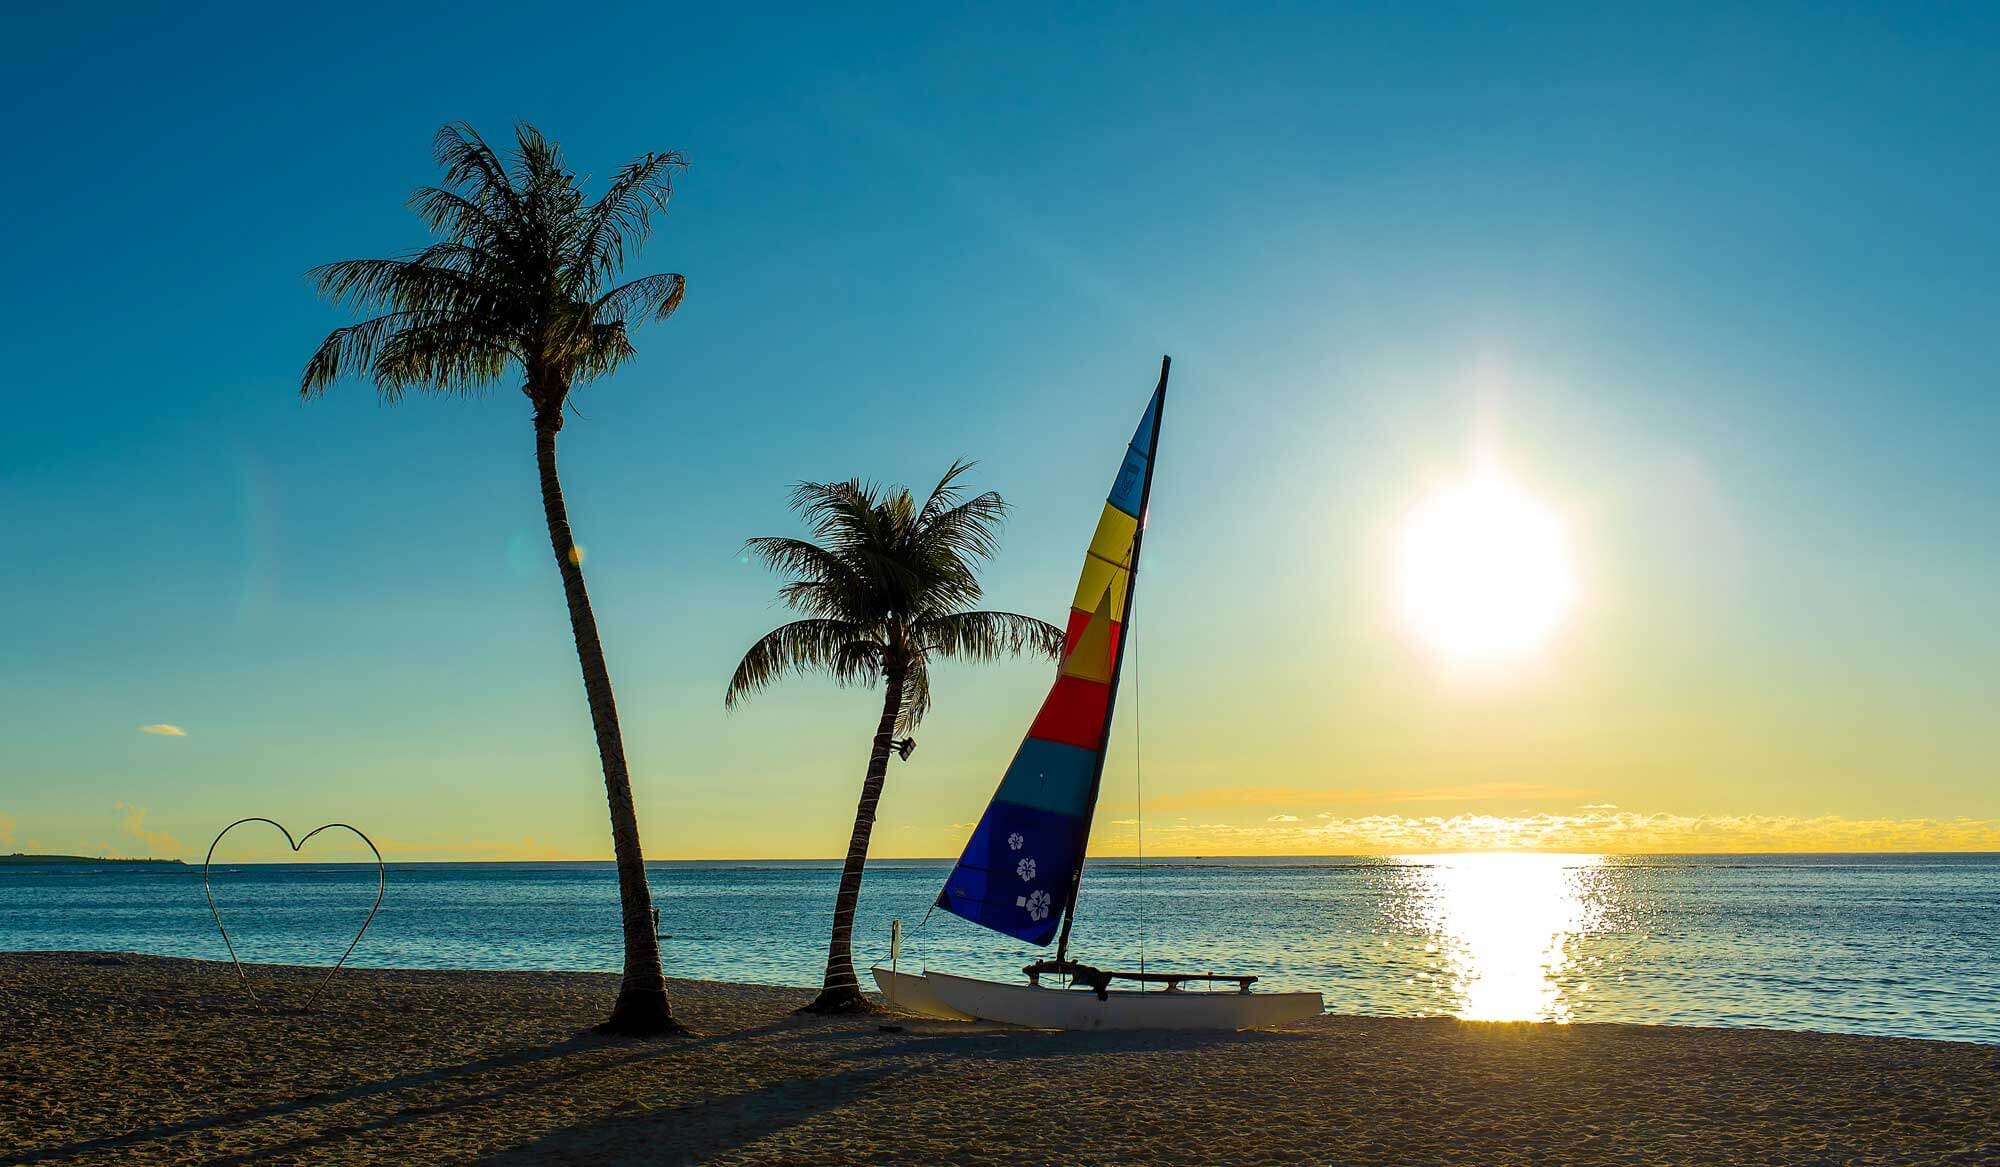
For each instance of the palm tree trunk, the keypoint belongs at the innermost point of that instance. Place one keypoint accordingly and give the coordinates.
(841, 991)
(642, 1008)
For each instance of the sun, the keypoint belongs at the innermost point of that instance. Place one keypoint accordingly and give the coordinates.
(1483, 570)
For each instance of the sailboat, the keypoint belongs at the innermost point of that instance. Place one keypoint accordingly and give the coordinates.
(1023, 866)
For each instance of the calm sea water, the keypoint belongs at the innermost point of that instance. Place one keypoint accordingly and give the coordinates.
(1898, 945)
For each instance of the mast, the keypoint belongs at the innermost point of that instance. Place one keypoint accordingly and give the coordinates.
(1118, 659)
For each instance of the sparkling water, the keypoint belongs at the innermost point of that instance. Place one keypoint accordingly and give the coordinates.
(1905, 945)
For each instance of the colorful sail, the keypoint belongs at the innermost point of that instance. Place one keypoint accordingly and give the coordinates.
(1020, 868)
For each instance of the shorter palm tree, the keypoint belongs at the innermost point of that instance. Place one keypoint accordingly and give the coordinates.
(885, 586)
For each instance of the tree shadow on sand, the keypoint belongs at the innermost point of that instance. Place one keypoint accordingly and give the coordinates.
(583, 1043)
(677, 1132)
(694, 1132)
(701, 1130)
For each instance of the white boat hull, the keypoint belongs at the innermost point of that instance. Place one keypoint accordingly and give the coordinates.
(1081, 1008)
(911, 992)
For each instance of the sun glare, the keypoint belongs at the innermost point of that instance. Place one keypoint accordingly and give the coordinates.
(1483, 570)
(1503, 926)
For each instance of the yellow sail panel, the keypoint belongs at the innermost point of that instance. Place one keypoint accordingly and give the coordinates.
(1100, 577)
(1113, 540)
(1091, 659)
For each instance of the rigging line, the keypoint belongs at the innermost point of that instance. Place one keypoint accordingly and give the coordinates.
(1139, 795)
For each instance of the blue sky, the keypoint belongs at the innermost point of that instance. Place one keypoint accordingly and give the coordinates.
(1719, 285)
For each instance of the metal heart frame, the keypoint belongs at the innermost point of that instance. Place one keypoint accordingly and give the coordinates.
(381, 885)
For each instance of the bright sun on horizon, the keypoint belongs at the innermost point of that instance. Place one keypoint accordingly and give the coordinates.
(1484, 572)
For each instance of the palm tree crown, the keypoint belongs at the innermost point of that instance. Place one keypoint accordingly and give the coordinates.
(884, 586)
(887, 585)
(520, 276)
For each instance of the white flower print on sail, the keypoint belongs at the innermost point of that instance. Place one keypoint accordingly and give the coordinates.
(1015, 841)
(1026, 870)
(1037, 904)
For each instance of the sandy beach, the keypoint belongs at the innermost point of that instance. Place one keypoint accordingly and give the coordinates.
(132, 1059)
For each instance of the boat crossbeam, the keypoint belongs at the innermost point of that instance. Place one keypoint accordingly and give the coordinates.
(1100, 979)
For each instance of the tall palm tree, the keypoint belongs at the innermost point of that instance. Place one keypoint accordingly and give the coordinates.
(886, 586)
(520, 279)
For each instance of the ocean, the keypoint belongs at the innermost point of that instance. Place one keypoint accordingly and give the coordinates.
(1899, 945)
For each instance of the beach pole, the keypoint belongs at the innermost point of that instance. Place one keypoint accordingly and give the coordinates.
(895, 951)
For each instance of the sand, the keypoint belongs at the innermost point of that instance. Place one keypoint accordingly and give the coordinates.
(133, 1059)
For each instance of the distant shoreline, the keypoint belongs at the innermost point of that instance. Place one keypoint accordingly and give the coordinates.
(81, 861)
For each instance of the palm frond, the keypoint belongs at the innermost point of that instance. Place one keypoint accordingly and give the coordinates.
(797, 557)
(647, 298)
(916, 698)
(840, 512)
(988, 636)
(623, 217)
(945, 494)
(447, 356)
(470, 163)
(602, 348)
(432, 282)
(970, 529)
(456, 217)
(836, 646)
(348, 350)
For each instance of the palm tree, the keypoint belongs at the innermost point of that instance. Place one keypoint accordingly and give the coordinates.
(519, 278)
(886, 587)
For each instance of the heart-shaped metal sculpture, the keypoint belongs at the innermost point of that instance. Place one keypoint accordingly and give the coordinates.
(381, 885)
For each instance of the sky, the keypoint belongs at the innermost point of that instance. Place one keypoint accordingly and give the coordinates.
(1717, 287)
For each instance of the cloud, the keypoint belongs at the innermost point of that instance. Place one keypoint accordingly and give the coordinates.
(162, 844)
(164, 730)
(1598, 806)
(1227, 796)
(1611, 831)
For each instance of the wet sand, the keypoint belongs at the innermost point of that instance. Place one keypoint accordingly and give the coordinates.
(132, 1059)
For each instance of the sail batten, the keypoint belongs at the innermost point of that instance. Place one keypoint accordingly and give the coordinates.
(1018, 874)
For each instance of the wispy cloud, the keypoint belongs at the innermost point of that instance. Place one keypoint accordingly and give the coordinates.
(1625, 832)
(164, 730)
(159, 843)
(1226, 796)
(1598, 806)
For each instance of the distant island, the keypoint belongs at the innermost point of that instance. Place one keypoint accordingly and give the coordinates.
(71, 860)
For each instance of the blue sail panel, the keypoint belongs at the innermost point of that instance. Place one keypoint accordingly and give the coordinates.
(1017, 870)
(1130, 484)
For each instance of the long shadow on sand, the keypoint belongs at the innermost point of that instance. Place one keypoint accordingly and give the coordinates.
(581, 1044)
(694, 1132)
(723, 1120)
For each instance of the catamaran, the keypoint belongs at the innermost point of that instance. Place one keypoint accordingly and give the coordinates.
(1023, 866)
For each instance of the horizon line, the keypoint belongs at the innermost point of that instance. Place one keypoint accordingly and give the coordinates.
(1127, 859)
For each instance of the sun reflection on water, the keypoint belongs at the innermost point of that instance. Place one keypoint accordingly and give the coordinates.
(1500, 928)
